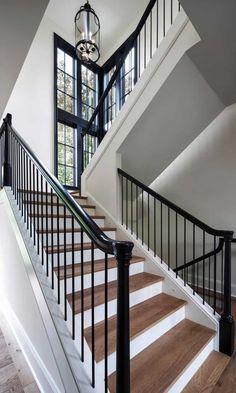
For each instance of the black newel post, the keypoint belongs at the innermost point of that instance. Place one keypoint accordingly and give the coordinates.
(227, 321)
(123, 253)
(6, 163)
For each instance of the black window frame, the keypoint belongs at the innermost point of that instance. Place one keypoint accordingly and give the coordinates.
(73, 120)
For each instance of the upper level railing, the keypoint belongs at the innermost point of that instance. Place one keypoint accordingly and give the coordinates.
(133, 57)
(50, 212)
(199, 254)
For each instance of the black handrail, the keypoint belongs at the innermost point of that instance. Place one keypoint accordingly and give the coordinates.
(202, 257)
(106, 244)
(177, 209)
(129, 44)
(218, 272)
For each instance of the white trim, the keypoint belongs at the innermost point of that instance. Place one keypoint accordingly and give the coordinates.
(41, 375)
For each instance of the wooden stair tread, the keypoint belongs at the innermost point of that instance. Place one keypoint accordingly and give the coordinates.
(137, 281)
(49, 203)
(205, 379)
(99, 265)
(69, 230)
(68, 248)
(157, 368)
(142, 316)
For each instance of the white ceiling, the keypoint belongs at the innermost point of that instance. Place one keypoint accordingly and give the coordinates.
(118, 19)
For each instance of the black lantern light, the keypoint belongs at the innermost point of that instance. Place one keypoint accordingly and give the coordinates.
(87, 34)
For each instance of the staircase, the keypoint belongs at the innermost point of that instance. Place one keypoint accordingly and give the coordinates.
(166, 348)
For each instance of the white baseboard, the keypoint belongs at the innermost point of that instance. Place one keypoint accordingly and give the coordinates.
(41, 375)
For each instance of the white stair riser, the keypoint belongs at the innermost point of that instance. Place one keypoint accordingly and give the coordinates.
(99, 222)
(192, 368)
(42, 209)
(148, 337)
(99, 277)
(98, 254)
(135, 298)
(77, 237)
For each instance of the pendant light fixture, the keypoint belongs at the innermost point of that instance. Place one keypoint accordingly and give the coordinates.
(87, 34)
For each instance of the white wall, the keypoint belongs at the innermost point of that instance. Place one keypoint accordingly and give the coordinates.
(31, 102)
(20, 305)
(202, 179)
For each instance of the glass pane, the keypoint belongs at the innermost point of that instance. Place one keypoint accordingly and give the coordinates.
(90, 112)
(84, 74)
(91, 98)
(61, 174)
(69, 136)
(69, 156)
(69, 85)
(60, 133)
(60, 80)
(60, 59)
(69, 65)
(69, 104)
(84, 94)
(60, 100)
(91, 77)
(84, 112)
(61, 153)
(69, 176)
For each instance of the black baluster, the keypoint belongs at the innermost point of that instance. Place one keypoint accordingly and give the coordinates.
(42, 223)
(131, 207)
(126, 203)
(214, 274)
(106, 325)
(30, 186)
(161, 231)
(164, 18)
(148, 222)
(176, 243)
(185, 251)
(73, 276)
(38, 201)
(145, 49)
(52, 238)
(65, 263)
(122, 200)
(204, 273)
(27, 191)
(151, 35)
(171, 11)
(168, 251)
(82, 293)
(92, 315)
(136, 212)
(157, 22)
(193, 270)
(46, 190)
(154, 229)
(34, 213)
(142, 219)
(58, 255)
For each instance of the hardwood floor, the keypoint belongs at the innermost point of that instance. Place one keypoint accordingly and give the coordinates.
(15, 375)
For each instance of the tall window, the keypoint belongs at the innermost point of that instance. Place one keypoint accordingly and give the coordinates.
(76, 97)
(110, 103)
(66, 154)
(127, 78)
(66, 82)
(89, 92)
